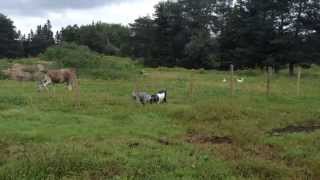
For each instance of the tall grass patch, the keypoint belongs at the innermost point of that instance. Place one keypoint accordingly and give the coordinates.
(111, 68)
(58, 162)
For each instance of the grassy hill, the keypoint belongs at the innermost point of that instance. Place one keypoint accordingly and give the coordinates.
(202, 133)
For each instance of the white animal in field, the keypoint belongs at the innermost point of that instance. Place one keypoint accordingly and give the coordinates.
(241, 80)
(160, 97)
(224, 80)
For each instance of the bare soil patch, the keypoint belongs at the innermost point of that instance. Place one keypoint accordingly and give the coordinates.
(295, 129)
(164, 141)
(133, 145)
(197, 138)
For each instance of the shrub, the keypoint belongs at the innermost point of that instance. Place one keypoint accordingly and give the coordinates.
(91, 64)
(71, 55)
(110, 67)
(2, 76)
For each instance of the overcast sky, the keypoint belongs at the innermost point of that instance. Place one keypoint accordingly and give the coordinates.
(27, 14)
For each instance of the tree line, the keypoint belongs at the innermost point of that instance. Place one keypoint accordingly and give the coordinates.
(13, 44)
(217, 33)
(193, 34)
(111, 39)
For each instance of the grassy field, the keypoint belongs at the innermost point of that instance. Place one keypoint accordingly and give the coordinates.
(204, 135)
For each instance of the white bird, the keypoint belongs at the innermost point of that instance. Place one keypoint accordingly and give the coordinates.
(240, 80)
(224, 80)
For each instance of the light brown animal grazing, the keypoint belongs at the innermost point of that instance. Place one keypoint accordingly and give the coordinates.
(56, 76)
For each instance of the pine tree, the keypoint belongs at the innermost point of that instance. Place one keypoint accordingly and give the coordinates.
(10, 46)
(41, 40)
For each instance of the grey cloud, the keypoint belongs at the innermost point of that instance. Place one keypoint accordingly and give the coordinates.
(38, 7)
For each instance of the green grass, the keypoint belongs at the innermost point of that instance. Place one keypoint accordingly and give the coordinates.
(48, 136)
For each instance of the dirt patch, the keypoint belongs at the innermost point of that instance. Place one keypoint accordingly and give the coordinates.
(295, 129)
(164, 142)
(133, 145)
(208, 139)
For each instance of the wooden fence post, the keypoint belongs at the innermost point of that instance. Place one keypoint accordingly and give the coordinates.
(76, 93)
(78, 96)
(232, 79)
(269, 71)
(136, 86)
(191, 85)
(298, 80)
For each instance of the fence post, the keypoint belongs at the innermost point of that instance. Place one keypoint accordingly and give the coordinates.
(78, 95)
(191, 85)
(298, 80)
(269, 71)
(136, 86)
(232, 79)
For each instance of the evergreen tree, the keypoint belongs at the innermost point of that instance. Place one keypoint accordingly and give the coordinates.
(201, 23)
(171, 33)
(41, 40)
(112, 39)
(10, 45)
(216, 33)
(142, 39)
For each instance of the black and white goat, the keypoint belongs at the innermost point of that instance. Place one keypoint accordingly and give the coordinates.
(160, 97)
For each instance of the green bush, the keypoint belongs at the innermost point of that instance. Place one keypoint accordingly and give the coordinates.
(2, 76)
(71, 55)
(110, 67)
(4, 64)
(91, 64)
